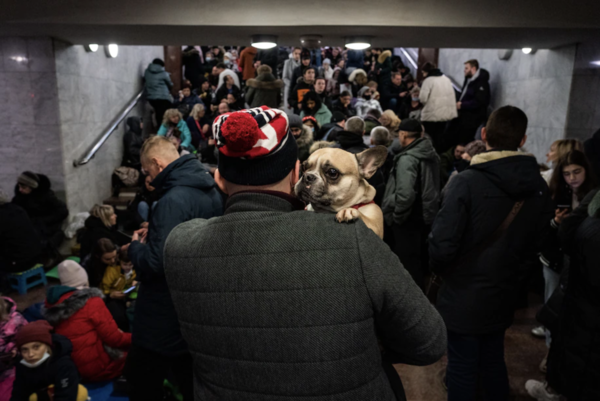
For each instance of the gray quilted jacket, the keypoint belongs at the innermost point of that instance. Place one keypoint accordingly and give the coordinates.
(278, 303)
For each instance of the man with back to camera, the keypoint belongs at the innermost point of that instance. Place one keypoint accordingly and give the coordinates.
(482, 264)
(279, 303)
(188, 192)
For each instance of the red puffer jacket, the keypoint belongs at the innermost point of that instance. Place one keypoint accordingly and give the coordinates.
(82, 317)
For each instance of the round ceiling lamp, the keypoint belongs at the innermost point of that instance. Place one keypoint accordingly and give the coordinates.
(111, 50)
(91, 48)
(264, 41)
(311, 41)
(528, 50)
(358, 42)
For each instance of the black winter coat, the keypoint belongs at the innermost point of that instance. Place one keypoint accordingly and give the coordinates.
(189, 192)
(95, 230)
(58, 370)
(475, 100)
(192, 62)
(45, 210)
(264, 90)
(132, 143)
(348, 111)
(20, 245)
(479, 293)
(574, 361)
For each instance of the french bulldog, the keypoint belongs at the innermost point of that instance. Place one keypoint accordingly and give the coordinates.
(335, 181)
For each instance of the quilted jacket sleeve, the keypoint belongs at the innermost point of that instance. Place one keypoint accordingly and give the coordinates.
(105, 325)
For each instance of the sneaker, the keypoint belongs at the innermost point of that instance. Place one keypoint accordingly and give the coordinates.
(539, 331)
(539, 391)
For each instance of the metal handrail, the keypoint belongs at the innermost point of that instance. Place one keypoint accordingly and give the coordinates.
(108, 132)
(412, 60)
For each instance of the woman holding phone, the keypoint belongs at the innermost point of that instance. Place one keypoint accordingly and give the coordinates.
(572, 179)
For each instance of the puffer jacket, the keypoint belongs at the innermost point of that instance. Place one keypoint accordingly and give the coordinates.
(264, 90)
(574, 360)
(8, 330)
(413, 189)
(294, 310)
(323, 115)
(437, 95)
(158, 83)
(480, 292)
(81, 316)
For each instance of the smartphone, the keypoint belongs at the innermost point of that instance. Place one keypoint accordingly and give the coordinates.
(127, 291)
(563, 207)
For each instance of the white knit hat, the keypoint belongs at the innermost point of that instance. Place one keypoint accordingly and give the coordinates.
(71, 274)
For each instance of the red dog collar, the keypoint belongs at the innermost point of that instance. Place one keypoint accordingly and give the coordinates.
(361, 205)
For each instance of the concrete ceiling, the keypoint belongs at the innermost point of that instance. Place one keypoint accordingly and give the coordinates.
(410, 23)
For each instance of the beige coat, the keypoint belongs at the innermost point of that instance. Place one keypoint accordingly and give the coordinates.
(437, 95)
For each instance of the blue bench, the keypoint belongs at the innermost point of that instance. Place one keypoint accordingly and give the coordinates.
(28, 279)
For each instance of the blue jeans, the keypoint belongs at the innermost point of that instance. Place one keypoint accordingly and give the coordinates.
(144, 209)
(471, 357)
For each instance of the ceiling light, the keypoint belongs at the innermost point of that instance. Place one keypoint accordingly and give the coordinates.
(111, 50)
(358, 43)
(527, 50)
(596, 63)
(264, 41)
(19, 59)
(91, 48)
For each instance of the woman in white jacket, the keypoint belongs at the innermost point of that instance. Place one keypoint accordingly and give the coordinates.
(439, 100)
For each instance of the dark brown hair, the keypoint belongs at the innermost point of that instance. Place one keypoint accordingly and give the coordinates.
(104, 245)
(428, 67)
(123, 256)
(473, 63)
(506, 128)
(559, 188)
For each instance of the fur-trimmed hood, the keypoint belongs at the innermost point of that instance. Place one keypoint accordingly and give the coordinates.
(354, 73)
(383, 56)
(305, 138)
(57, 308)
(266, 81)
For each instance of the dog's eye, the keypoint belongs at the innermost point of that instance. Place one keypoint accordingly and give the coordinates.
(332, 173)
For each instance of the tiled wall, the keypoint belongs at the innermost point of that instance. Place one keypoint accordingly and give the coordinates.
(92, 90)
(538, 83)
(584, 104)
(30, 133)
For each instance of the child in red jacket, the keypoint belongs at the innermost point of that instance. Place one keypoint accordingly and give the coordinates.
(99, 347)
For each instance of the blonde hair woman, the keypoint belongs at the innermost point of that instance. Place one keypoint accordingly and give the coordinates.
(557, 150)
(390, 120)
(102, 223)
(199, 125)
(174, 119)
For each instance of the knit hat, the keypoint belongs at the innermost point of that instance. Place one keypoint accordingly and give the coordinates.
(362, 91)
(337, 116)
(410, 125)
(295, 121)
(313, 120)
(71, 274)
(38, 331)
(305, 54)
(255, 146)
(29, 179)
(327, 61)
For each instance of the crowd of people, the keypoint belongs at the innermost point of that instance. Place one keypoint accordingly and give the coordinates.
(230, 289)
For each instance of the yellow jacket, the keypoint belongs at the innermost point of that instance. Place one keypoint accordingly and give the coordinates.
(114, 280)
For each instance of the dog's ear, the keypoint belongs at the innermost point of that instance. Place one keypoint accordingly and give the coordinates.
(370, 160)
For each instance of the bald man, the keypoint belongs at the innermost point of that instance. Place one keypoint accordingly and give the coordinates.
(188, 192)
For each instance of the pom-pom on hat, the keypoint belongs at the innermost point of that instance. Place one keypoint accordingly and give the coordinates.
(255, 146)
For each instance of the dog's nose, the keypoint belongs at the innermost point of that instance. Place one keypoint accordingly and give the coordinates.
(310, 178)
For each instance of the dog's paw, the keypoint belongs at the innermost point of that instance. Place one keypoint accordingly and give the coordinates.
(346, 215)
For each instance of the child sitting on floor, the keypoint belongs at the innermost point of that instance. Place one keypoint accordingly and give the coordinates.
(117, 279)
(10, 323)
(46, 370)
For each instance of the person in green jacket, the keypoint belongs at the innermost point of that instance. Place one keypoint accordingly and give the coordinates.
(313, 106)
(174, 119)
(158, 88)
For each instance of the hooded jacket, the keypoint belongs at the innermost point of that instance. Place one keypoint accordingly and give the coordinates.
(58, 370)
(20, 244)
(384, 66)
(8, 330)
(82, 317)
(475, 98)
(438, 97)
(480, 292)
(247, 62)
(265, 90)
(323, 115)
(294, 310)
(189, 192)
(45, 210)
(132, 143)
(304, 142)
(412, 193)
(158, 83)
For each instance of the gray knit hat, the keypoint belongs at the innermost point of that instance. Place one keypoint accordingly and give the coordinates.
(294, 120)
(29, 179)
(362, 91)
